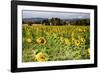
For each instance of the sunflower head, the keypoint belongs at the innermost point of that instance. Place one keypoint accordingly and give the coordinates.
(73, 41)
(77, 42)
(29, 40)
(40, 57)
(41, 40)
(80, 30)
(82, 39)
(67, 41)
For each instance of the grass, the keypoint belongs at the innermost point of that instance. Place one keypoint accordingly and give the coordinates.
(54, 43)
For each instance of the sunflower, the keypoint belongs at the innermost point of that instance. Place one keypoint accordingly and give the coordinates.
(41, 40)
(82, 39)
(73, 41)
(77, 42)
(29, 40)
(80, 30)
(67, 41)
(40, 57)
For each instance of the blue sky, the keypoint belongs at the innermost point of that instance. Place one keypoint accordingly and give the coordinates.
(50, 14)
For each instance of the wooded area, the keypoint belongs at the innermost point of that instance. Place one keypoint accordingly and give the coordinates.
(58, 21)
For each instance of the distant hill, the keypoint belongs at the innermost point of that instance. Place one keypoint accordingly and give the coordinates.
(33, 19)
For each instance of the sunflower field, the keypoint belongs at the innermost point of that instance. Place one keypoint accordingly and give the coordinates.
(42, 43)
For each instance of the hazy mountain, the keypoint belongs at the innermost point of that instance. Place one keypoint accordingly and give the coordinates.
(34, 19)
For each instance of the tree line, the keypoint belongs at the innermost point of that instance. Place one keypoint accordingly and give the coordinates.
(58, 21)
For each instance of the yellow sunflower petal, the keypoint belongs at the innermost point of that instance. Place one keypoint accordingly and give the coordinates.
(41, 40)
(40, 57)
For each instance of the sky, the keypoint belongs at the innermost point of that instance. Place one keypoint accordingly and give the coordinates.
(50, 14)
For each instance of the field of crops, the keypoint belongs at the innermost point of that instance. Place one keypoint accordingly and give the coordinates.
(42, 43)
